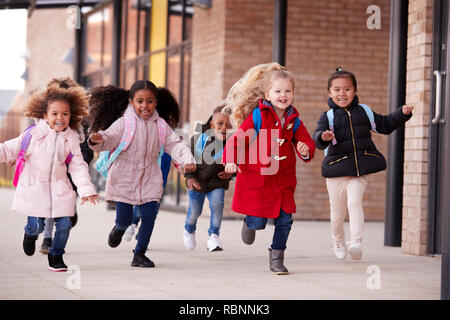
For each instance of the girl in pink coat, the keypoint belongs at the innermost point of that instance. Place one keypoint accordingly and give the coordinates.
(43, 189)
(135, 178)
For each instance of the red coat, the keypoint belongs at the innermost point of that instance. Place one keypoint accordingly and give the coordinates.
(267, 180)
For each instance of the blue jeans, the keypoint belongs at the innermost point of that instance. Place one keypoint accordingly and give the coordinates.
(196, 200)
(35, 226)
(282, 224)
(124, 217)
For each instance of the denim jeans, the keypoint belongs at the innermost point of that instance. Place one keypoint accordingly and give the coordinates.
(196, 200)
(35, 226)
(124, 217)
(282, 224)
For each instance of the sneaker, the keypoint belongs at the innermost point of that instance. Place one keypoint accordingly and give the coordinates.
(56, 263)
(355, 250)
(46, 245)
(129, 232)
(141, 261)
(214, 243)
(29, 244)
(115, 237)
(340, 250)
(189, 239)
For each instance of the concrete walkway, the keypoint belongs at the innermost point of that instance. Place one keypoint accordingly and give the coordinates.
(238, 272)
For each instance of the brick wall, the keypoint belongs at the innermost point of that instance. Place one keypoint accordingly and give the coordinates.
(48, 40)
(320, 36)
(418, 93)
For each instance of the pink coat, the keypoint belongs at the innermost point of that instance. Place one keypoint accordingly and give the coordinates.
(44, 190)
(135, 176)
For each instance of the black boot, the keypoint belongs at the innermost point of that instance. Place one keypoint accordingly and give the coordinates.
(74, 219)
(115, 237)
(276, 260)
(29, 244)
(140, 260)
(56, 263)
(46, 245)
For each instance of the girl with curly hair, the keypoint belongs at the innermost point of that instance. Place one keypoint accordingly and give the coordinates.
(266, 178)
(135, 178)
(43, 189)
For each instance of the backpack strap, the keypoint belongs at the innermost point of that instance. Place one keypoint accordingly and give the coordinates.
(162, 132)
(297, 123)
(370, 115)
(257, 121)
(20, 161)
(102, 165)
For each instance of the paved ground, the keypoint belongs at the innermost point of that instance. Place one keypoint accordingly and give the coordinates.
(238, 272)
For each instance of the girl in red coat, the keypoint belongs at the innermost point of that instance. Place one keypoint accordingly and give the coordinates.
(262, 152)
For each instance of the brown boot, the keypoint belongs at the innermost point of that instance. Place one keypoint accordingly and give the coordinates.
(247, 234)
(276, 259)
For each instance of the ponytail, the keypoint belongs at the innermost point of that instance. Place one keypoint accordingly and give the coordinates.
(168, 107)
(108, 103)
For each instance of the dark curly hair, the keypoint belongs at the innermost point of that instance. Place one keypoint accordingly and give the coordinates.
(60, 89)
(108, 103)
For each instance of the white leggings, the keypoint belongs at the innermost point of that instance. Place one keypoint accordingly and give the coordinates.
(347, 193)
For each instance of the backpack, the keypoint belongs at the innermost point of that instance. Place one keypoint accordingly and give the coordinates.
(330, 116)
(201, 144)
(20, 161)
(257, 121)
(105, 160)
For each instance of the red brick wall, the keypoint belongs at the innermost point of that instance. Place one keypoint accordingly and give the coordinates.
(320, 36)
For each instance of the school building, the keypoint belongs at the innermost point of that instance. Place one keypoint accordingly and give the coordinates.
(199, 48)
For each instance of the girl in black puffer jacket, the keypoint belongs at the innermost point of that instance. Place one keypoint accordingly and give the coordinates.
(209, 180)
(350, 156)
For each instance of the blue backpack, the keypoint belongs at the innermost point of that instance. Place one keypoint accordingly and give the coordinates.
(330, 116)
(257, 121)
(201, 144)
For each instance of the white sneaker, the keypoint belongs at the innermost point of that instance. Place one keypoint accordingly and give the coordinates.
(129, 232)
(340, 250)
(355, 250)
(189, 239)
(214, 243)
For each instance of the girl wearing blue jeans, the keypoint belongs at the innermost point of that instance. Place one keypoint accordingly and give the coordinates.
(209, 181)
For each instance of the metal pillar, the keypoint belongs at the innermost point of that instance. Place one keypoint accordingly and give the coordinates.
(279, 32)
(117, 32)
(397, 93)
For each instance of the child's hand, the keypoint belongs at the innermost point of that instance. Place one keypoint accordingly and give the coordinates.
(224, 175)
(407, 109)
(327, 135)
(193, 184)
(303, 148)
(231, 168)
(92, 199)
(191, 167)
(96, 138)
(11, 163)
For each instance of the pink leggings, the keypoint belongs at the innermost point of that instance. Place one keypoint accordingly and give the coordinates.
(347, 193)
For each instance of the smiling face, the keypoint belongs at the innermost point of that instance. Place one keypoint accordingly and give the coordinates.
(220, 123)
(281, 93)
(144, 103)
(58, 115)
(342, 92)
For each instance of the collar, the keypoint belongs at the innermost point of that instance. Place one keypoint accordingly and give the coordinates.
(130, 111)
(289, 114)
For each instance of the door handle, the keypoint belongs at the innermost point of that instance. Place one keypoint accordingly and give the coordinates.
(438, 103)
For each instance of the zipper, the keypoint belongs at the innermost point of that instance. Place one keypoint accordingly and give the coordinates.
(371, 154)
(51, 174)
(336, 161)
(353, 140)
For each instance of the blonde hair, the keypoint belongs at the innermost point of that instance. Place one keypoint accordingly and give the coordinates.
(244, 95)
